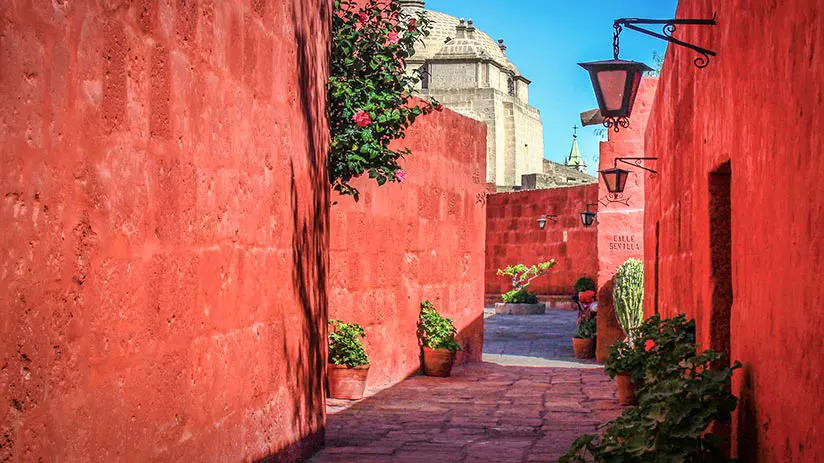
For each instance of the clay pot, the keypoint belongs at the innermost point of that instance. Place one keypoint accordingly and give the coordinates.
(346, 382)
(626, 389)
(584, 348)
(438, 362)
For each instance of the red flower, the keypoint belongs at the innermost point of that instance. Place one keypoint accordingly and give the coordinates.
(413, 24)
(649, 344)
(362, 118)
(400, 175)
(363, 17)
(586, 297)
(439, 107)
(393, 37)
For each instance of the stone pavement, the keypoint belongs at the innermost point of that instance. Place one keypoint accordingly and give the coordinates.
(526, 403)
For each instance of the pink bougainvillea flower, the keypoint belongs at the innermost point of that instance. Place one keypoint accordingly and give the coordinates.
(400, 175)
(649, 345)
(393, 37)
(362, 118)
(363, 17)
(413, 24)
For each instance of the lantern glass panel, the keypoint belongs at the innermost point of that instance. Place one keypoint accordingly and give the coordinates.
(542, 223)
(613, 84)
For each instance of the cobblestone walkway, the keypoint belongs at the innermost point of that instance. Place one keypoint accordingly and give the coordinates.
(526, 403)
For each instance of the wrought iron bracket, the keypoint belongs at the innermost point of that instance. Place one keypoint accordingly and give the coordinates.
(637, 162)
(669, 28)
(551, 217)
(614, 198)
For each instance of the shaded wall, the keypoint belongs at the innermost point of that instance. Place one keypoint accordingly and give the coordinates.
(419, 240)
(164, 229)
(513, 237)
(621, 222)
(751, 120)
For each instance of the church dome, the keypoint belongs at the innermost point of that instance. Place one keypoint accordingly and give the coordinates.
(443, 42)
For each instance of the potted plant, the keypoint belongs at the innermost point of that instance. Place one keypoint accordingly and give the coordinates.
(581, 285)
(628, 295)
(348, 363)
(520, 301)
(437, 337)
(625, 364)
(584, 341)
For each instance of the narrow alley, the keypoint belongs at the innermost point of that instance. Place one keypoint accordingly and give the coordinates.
(527, 401)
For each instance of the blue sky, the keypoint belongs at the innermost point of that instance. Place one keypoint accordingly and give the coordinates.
(547, 38)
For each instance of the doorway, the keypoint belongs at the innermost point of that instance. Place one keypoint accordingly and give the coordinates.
(720, 259)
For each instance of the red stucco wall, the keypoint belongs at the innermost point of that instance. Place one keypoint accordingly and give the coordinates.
(620, 224)
(759, 106)
(423, 239)
(164, 229)
(513, 236)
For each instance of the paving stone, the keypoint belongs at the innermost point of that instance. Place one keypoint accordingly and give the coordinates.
(526, 403)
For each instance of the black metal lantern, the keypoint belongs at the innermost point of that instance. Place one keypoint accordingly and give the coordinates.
(615, 179)
(588, 217)
(616, 81)
(542, 220)
(616, 84)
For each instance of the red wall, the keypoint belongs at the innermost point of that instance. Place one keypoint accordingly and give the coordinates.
(164, 229)
(422, 239)
(621, 224)
(513, 237)
(759, 106)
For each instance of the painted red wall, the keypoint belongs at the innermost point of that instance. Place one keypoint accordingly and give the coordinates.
(164, 223)
(513, 237)
(419, 240)
(621, 224)
(759, 106)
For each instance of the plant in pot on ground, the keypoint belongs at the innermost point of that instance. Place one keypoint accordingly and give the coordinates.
(436, 335)
(519, 300)
(682, 396)
(628, 295)
(348, 362)
(584, 341)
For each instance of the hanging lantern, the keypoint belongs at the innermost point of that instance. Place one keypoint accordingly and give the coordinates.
(587, 218)
(542, 222)
(615, 179)
(616, 84)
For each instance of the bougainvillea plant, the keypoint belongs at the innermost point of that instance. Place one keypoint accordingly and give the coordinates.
(369, 93)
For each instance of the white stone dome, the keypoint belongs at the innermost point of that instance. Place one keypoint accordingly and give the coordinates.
(443, 27)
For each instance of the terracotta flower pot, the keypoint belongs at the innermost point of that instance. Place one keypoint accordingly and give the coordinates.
(584, 348)
(626, 389)
(346, 382)
(438, 362)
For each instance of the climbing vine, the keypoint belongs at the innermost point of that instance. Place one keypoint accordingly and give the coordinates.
(369, 92)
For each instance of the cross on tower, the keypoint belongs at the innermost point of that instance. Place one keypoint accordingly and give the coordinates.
(575, 131)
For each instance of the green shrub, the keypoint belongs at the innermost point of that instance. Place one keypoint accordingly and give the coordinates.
(519, 296)
(345, 346)
(679, 395)
(660, 345)
(587, 328)
(585, 284)
(671, 421)
(436, 331)
(629, 296)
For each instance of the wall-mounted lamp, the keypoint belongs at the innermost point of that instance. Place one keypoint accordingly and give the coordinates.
(616, 178)
(588, 217)
(542, 220)
(616, 81)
